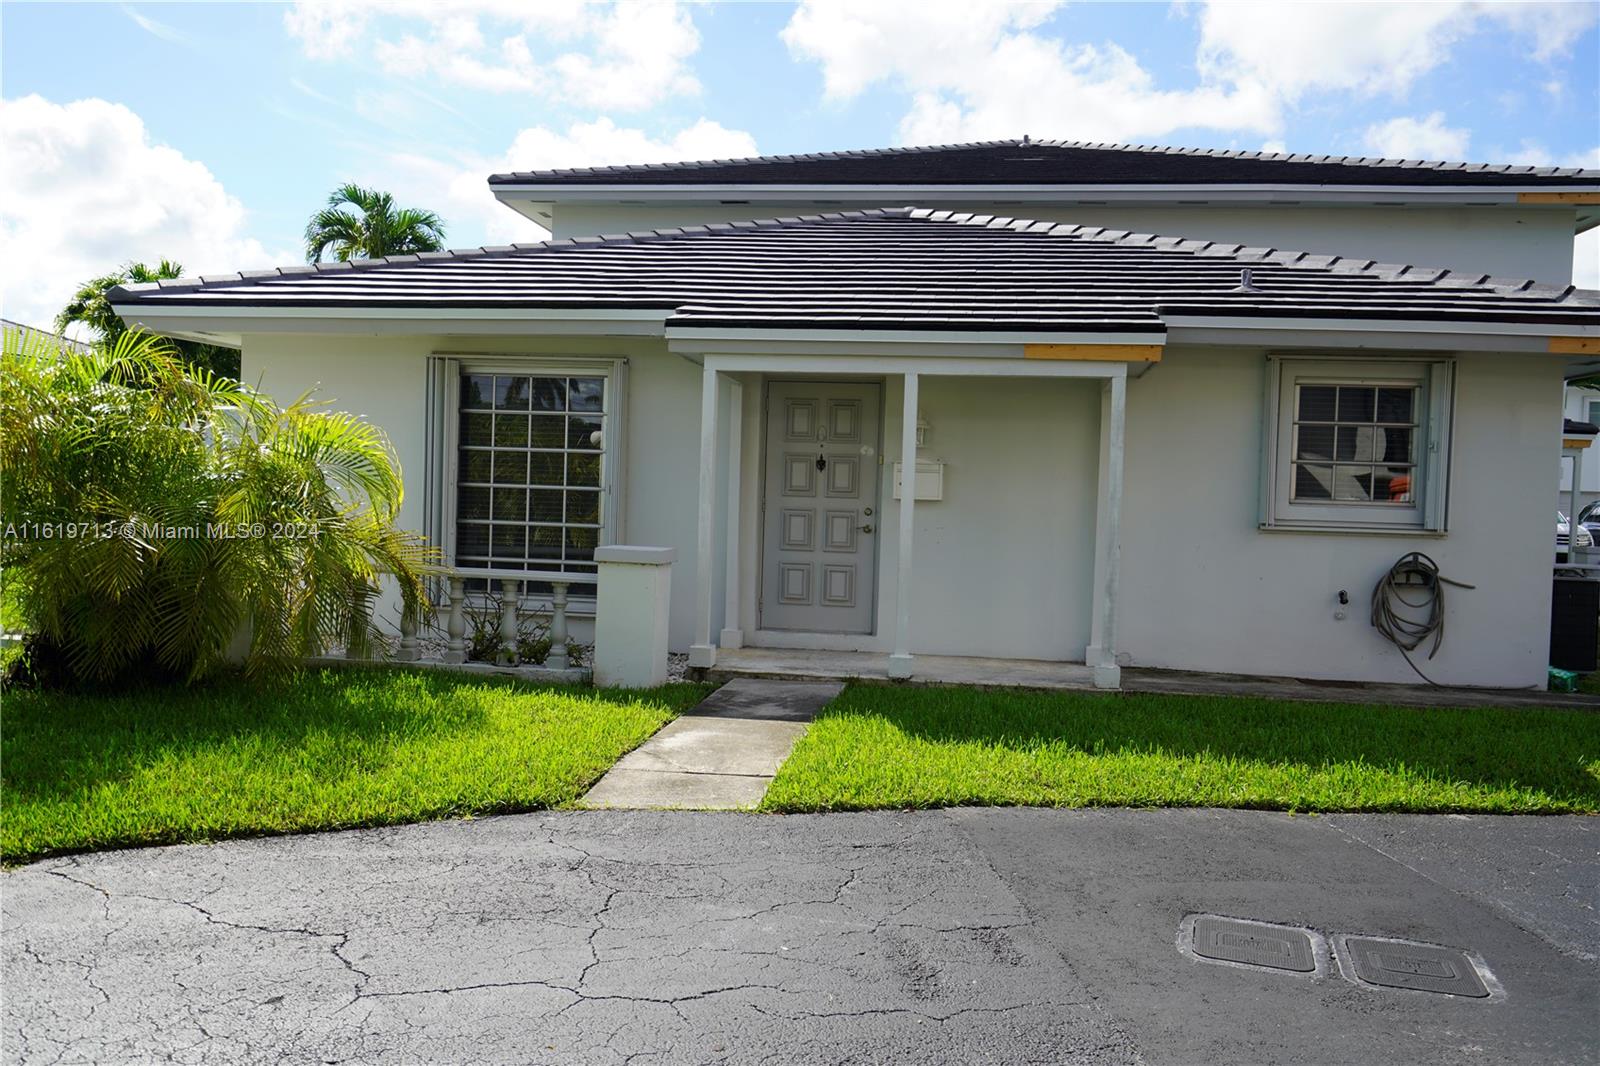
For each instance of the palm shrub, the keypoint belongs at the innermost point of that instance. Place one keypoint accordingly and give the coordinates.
(152, 511)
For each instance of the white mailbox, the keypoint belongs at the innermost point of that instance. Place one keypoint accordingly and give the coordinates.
(930, 479)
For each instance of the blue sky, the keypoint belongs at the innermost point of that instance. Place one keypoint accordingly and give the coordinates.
(207, 132)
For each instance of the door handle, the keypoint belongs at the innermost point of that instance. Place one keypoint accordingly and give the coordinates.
(866, 528)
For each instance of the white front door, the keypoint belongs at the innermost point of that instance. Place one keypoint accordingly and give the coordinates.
(820, 507)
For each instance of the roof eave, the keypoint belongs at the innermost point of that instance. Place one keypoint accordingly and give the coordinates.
(1574, 196)
(171, 318)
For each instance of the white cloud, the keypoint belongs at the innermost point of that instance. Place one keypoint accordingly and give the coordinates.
(154, 28)
(981, 70)
(1292, 48)
(459, 190)
(1418, 138)
(978, 71)
(84, 190)
(1534, 154)
(627, 55)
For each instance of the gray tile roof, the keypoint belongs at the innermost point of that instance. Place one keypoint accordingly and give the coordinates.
(902, 268)
(1022, 162)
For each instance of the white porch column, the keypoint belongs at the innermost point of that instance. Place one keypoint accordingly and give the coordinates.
(1572, 500)
(732, 634)
(1101, 654)
(900, 659)
(702, 653)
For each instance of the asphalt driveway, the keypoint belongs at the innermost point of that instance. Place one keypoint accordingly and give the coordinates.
(969, 936)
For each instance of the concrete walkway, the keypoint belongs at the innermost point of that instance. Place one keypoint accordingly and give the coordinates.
(720, 756)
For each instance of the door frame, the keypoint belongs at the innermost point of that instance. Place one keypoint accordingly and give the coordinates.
(798, 637)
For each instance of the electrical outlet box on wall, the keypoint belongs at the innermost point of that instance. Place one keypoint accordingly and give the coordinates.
(930, 479)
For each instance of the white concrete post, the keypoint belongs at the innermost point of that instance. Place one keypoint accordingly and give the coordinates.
(732, 635)
(556, 658)
(455, 623)
(702, 653)
(900, 660)
(508, 622)
(631, 615)
(1101, 653)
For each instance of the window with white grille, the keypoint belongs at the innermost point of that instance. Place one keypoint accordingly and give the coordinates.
(532, 475)
(1357, 444)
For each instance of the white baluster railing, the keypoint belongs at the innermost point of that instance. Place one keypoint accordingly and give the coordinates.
(557, 657)
(455, 622)
(410, 650)
(510, 628)
(360, 628)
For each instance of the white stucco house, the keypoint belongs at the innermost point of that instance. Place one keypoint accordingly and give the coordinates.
(1162, 406)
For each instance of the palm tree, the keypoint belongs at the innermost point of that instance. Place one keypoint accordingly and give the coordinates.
(379, 230)
(90, 307)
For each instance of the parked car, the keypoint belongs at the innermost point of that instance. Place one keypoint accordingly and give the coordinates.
(1580, 539)
(1589, 518)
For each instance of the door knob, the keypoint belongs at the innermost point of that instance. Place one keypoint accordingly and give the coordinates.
(866, 528)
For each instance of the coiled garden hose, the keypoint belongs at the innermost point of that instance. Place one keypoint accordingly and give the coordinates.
(1419, 575)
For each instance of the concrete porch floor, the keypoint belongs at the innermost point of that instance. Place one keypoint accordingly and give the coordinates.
(1030, 673)
(874, 666)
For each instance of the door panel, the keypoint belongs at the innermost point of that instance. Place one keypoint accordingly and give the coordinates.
(819, 537)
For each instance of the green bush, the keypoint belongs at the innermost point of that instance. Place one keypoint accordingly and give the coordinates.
(151, 512)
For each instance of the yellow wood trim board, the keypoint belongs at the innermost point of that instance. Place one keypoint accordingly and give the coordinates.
(1558, 197)
(1575, 345)
(1116, 353)
(1576, 442)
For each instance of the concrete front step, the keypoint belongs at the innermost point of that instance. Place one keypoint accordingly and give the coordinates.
(721, 755)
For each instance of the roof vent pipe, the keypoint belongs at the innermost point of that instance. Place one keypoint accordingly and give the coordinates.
(1246, 281)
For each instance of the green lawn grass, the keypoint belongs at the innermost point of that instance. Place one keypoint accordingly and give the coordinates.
(325, 749)
(883, 747)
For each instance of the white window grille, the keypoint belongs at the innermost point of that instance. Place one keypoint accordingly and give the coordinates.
(525, 469)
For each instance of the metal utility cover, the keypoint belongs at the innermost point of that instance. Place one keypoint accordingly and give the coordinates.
(1279, 947)
(1423, 967)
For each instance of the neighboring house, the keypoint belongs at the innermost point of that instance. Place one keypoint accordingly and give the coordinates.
(8, 326)
(1581, 405)
(1174, 450)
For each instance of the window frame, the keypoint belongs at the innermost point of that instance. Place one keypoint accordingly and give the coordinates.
(443, 476)
(1432, 376)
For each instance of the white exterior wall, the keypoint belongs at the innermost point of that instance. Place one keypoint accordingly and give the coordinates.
(1531, 242)
(382, 379)
(1204, 589)
(1004, 562)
